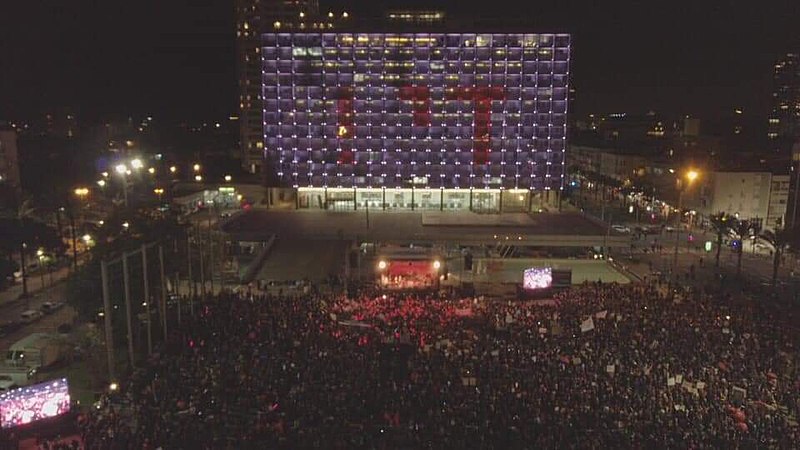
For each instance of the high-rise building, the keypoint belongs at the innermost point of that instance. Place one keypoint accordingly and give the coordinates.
(252, 18)
(9, 162)
(416, 120)
(784, 121)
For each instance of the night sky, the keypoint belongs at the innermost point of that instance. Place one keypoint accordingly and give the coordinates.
(175, 58)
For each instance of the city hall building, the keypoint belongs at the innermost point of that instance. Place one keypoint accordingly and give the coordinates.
(416, 121)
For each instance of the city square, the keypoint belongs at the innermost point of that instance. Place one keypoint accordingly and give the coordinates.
(429, 225)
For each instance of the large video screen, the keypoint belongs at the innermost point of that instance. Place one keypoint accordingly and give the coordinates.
(437, 110)
(32, 403)
(537, 278)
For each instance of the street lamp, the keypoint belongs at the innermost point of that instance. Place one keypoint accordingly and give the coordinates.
(122, 170)
(691, 175)
(40, 256)
(151, 170)
(196, 167)
(228, 178)
(198, 178)
(137, 163)
(101, 183)
(81, 192)
(159, 192)
(173, 169)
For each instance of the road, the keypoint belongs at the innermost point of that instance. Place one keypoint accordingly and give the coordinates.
(47, 324)
(757, 267)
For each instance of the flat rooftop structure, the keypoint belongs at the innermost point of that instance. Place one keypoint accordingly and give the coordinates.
(546, 230)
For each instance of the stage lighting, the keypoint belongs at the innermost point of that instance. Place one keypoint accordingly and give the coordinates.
(382, 265)
(437, 265)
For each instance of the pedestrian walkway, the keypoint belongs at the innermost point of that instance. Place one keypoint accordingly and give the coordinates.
(36, 284)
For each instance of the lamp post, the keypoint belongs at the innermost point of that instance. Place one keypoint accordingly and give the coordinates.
(691, 176)
(82, 193)
(122, 171)
(40, 257)
(796, 170)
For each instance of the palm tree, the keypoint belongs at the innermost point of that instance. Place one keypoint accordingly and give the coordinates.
(782, 240)
(21, 230)
(741, 228)
(722, 224)
(16, 220)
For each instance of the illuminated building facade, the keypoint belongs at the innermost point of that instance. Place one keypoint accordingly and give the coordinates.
(784, 121)
(416, 120)
(252, 18)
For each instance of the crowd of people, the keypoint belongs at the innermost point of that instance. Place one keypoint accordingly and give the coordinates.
(616, 366)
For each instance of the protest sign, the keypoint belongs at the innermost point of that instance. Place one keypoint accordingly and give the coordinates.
(587, 325)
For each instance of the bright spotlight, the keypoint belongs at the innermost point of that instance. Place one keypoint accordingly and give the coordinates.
(382, 265)
(437, 265)
(137, 163)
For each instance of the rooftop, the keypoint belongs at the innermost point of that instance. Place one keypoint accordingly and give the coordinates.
(548, 229)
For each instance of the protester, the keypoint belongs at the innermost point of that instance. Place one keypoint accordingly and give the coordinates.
(596, 366)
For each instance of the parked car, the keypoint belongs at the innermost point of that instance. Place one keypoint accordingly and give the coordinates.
(50, 307)
(621, 228)
(30, 316)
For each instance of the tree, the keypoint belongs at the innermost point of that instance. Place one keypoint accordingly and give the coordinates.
(782, 240)
(721, 223)
(84, 290)
(17, 233)
(7, 268)
(23, 232)
(741, 228)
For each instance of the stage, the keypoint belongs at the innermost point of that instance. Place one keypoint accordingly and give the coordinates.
(408, 274)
